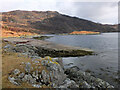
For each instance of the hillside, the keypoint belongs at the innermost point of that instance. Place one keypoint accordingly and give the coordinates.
(49, 22)
(13, 32)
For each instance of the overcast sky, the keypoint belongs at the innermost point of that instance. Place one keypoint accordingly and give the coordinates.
(101, 11)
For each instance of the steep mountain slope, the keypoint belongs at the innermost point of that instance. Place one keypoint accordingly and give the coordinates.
(48, 22)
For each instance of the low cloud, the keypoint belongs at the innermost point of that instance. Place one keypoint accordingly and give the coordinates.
(102, 12)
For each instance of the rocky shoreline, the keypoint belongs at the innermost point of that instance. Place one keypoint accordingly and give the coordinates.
(50, 73)
(43, 48)
(54, 75)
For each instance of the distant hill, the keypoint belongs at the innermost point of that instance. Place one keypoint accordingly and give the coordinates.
(50, 22)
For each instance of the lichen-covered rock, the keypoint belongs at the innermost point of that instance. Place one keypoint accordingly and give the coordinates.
(44, 62)
(36, 61)
(16, 71)
(109, 86)
(25, 78)
(57, 73)
(55, 76)
(21, 75)
(85, 85)
(69, 84)
(35, 74)
(8, 46)
(60, 61)
(37, 85)
(85, 80)
(102, 84)
(29, 79)
(27, 49)
(45, 77)
(13, 80)
(28, 67)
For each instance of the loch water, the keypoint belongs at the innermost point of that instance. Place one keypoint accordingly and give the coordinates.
(104, 64)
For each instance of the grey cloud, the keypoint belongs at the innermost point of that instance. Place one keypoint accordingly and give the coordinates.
(94, 11)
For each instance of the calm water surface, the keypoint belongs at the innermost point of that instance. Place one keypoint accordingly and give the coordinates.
(103, 65)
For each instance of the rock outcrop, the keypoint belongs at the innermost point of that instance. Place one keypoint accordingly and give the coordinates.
(33, 47)
(86, 80)
(49, 72)
(54, 75)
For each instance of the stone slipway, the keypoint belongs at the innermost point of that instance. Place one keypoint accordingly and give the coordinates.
(45, 48)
